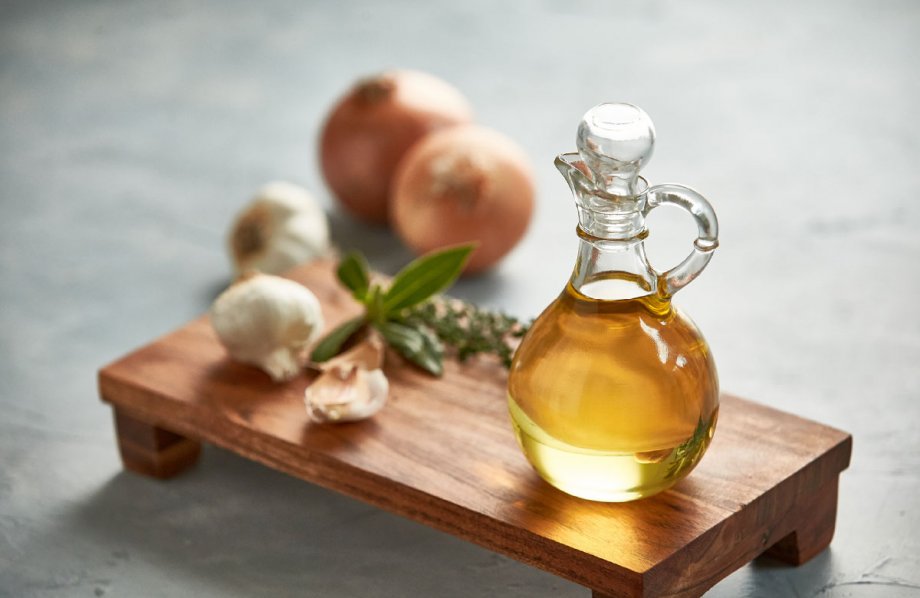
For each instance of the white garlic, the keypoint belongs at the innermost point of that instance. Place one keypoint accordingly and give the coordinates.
(352, 385)
(282, 227)
(346, 394)
(268, 321)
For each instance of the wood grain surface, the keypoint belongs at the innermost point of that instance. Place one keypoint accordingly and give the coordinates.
(442, 452)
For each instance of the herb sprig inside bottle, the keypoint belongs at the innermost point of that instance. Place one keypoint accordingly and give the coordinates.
(417, 322)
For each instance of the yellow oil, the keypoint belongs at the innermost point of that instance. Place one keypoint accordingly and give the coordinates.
(613, 400)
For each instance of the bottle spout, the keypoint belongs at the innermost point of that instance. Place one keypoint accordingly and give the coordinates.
(576, 173)
(601, 214)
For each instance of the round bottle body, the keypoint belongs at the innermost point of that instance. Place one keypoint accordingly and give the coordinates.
(613, 400)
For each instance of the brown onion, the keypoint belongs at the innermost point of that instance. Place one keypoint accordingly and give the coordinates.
(371, 128)
(463, 184)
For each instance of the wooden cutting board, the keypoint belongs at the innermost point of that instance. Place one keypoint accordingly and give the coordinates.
(442, 453)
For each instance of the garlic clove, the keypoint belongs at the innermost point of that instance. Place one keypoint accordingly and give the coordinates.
(268, 321)
(346, 393)
(281, 228)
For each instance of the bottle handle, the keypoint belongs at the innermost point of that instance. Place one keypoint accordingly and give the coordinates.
(686, 198)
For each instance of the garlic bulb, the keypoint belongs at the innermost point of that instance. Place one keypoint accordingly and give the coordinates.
(281, 228)
(352, 385)
(268, 321)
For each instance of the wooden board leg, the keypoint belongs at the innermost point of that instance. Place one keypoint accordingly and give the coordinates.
(812, 533)
(152, 451)
(814, 530)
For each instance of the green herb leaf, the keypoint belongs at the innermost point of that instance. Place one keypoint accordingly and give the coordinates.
(353, 272)
(421, 348)
(425, 276)
(332, 343)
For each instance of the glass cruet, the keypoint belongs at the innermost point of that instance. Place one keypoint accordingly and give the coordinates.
(613, 392)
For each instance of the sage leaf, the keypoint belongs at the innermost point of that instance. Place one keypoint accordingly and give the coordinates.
(332, 343)
(353, 272)
(425, 276)
(421, 348)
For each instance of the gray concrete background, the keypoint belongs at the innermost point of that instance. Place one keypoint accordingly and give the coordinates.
(130, 133)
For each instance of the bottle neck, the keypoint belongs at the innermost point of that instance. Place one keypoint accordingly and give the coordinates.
(613, 268)
(612, 225)
(612, 217)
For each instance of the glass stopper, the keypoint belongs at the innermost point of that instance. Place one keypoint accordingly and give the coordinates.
(615, 141)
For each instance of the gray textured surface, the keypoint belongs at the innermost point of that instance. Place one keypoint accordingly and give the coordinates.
(130, 133)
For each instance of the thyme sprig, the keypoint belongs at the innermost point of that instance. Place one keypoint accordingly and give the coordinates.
(467, 328)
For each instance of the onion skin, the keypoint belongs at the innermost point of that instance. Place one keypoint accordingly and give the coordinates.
(464, 184)
(370, 130)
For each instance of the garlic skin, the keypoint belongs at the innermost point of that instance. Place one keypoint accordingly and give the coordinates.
(352, 386)
(282, 227)
(268, 322)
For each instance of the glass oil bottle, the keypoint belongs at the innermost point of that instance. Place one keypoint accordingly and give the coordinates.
(613, 392)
